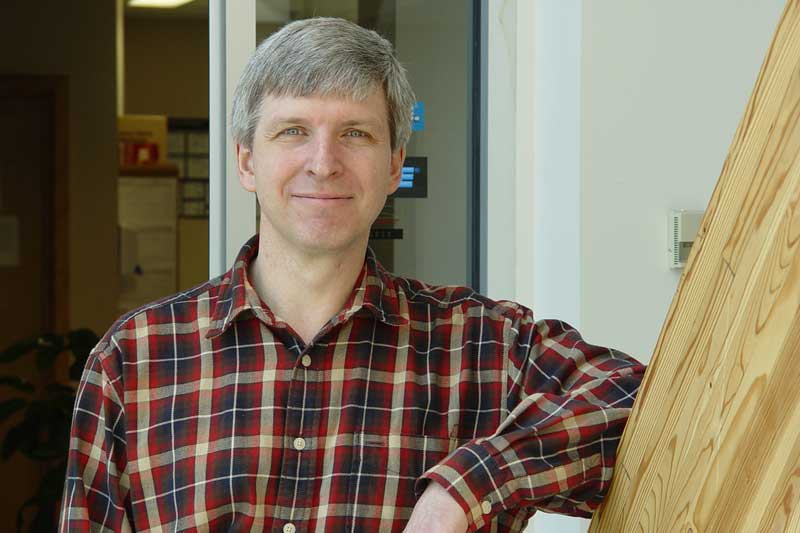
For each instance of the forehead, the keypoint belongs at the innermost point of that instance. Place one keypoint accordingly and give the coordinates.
(326, 108)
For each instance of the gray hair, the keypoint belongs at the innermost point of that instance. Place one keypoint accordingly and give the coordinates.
(322, 57)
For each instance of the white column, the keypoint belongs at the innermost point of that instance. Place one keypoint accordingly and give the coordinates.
(556, 171)
(556, 29)
(510, 151)
(120, 49)
(533, 167)
(231, 39)
(500, 246)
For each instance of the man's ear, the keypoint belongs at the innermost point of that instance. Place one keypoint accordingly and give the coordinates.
(244, 167)
(398, 156)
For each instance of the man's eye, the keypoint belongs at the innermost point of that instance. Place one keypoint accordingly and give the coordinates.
(292, 131)
(357, 133)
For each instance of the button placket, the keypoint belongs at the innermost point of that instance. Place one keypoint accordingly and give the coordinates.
(291, 490)
(298, 465)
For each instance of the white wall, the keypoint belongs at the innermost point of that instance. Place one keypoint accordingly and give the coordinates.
(634, 107)
(663, 87)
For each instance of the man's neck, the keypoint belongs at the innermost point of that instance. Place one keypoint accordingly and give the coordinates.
(304, 290)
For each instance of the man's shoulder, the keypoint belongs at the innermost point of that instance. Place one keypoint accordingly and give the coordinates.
(192, 306)
(449, 297)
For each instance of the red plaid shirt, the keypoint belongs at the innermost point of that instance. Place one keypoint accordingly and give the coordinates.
(205, 412)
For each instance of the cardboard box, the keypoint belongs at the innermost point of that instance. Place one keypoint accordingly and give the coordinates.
(142, 140)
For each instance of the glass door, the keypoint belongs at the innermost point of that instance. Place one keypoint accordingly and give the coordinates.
(428, 229)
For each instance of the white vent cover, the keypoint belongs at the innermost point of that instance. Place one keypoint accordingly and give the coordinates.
(683, 228)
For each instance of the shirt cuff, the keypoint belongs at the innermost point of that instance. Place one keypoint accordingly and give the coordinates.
(473, 477)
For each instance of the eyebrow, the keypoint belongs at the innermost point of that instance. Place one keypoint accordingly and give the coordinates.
(278, 121)
(365, 122)
(284, 120)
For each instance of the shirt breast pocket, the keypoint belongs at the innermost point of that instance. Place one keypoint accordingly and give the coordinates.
(386, 467)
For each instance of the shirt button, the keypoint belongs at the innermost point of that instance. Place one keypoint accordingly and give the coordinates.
(486, 506)
(289, 528)
(299, 444)
(306, 360)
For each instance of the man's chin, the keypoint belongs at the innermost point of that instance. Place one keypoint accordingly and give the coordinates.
(333, 244)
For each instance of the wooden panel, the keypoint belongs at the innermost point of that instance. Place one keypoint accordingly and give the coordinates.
(713, 443)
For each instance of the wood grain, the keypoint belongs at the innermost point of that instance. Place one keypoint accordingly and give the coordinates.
(713, 443)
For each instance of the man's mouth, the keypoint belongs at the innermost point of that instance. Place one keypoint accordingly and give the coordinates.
(322, 196)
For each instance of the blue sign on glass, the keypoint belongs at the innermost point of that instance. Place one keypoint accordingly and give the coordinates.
(407, 177)
(413, 178)
(418, 116)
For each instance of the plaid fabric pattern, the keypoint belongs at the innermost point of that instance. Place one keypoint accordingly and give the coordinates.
(205, 412)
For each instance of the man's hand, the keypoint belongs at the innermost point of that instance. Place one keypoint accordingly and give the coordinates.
(436, 511)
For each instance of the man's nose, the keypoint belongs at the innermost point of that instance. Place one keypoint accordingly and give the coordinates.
(324, 160)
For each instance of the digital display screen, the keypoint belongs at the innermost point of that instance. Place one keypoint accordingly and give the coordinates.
(407, 178)
(413, 179)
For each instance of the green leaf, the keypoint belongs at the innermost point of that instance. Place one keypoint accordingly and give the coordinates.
(30, 502)
(17, 350)
(44, 519)
(17, 383)
(45, 359)
(48, 346)
(50, 341)
(53, 438)
(58, 390)
(25, 436)
(13, 440)
(9, 407)
(52, 483)
(44, 452)
(81, 343)
(61, 399)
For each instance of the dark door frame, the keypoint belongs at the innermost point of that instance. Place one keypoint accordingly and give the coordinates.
(477, 149)
(55, 254)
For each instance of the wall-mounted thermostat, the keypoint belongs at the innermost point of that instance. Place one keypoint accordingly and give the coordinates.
(683, 228)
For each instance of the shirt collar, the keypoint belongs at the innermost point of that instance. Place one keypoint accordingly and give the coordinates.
(374, 292)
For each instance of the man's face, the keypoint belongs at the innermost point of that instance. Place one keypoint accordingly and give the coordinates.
(321, 168)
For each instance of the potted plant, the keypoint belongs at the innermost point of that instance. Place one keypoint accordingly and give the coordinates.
(42, 434)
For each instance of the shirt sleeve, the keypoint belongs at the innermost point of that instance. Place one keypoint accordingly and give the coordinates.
(567, 403)
(96, 489)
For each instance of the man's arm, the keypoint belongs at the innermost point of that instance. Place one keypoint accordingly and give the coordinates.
(96, 492)
(436, 511)
(568, 402)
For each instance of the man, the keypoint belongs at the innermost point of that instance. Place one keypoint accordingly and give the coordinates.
(309, 389)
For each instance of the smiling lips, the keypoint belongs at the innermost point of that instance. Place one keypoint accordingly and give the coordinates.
(322, 196)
